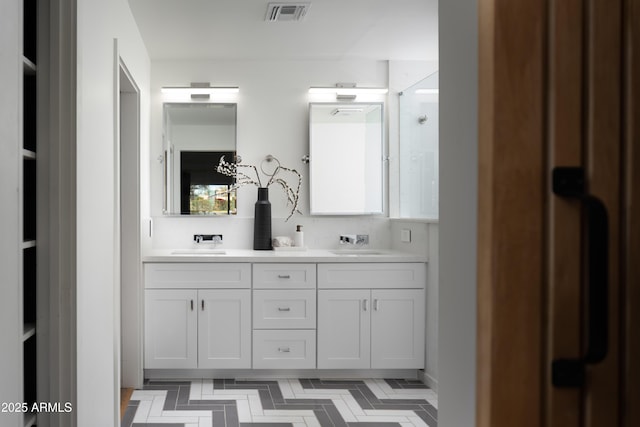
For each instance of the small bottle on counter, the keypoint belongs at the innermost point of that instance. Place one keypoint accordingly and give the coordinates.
(298, 238)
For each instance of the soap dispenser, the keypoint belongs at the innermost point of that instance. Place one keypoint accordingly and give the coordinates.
(298, 239)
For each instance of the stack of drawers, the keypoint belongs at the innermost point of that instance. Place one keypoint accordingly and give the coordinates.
(284, 316)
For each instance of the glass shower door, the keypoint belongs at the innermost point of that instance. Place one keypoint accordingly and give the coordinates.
(419, 149)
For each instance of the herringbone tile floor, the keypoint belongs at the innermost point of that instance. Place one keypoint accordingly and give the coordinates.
(282, 403)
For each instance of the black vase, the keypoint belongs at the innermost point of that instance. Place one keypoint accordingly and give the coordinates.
(262, 221)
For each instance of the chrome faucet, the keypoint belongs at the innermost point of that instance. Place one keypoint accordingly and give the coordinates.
(354, 239)
(216, 239)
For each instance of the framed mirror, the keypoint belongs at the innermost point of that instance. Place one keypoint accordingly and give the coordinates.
(196, 136)
(346, 158)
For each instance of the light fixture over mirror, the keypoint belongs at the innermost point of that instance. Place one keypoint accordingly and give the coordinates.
(196, 136)
(347, 91)
(199, 92)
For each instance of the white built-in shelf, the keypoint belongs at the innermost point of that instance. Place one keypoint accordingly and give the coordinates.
(28, 154)
(28, 66)
(29, 331)
(28, 244)
(30, 419)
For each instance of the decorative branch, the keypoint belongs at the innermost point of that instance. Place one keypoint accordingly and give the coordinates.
(242, 179)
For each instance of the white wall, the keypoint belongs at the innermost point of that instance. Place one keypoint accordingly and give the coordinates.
(99, 24)
(272, 119)
(10, 214)
(458, 212)
(433, 308)
(319, 232)
(424, 240)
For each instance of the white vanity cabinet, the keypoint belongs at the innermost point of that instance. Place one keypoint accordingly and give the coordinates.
(371, 316)
(284, 315)
(197, 315)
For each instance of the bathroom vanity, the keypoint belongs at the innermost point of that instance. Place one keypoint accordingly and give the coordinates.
(283, 312)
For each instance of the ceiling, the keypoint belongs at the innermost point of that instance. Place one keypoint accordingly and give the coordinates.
(331, 30)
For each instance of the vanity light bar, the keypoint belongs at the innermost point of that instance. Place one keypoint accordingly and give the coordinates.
(200, 90)
(348, 90)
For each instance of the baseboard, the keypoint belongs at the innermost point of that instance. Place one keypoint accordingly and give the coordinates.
(280, 373)
(428, 380)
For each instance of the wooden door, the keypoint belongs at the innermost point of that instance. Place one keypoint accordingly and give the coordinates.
(224, 328)
(344, 329)
(397, 328)
(630, 248)
(558, 88)
(170, 329)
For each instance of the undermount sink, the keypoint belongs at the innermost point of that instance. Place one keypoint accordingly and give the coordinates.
(199, 252)
(357, 252)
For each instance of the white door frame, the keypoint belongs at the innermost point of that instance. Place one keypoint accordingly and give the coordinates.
(128, 298)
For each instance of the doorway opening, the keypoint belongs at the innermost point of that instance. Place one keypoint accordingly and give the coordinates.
(129, 369)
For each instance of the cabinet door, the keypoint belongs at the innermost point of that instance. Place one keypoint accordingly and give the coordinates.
(224, 328)
(397, 329)
(344, 329)
(170, 329)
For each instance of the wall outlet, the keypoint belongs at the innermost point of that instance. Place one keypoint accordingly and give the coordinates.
(405, 235)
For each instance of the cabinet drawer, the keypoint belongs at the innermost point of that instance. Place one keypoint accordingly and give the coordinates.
(371, 276)
(284, 349)
(284, 276)
(284, 309)
(197, 275)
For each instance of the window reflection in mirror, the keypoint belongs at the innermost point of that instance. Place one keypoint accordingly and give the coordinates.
(196, 135)
(202, 189)
(346, 158)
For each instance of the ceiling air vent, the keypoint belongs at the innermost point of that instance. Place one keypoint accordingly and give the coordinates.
(286, 11)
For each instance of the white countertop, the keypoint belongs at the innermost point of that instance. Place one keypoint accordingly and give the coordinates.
(285, 256)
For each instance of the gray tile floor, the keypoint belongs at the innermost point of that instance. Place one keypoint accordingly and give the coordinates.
(283, 403)
(280, 403)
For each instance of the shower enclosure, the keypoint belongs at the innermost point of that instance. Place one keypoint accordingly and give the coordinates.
(419, 149)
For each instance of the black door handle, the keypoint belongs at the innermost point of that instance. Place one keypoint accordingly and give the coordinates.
(570, 182)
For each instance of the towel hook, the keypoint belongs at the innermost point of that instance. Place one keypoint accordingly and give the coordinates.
(268, 159)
